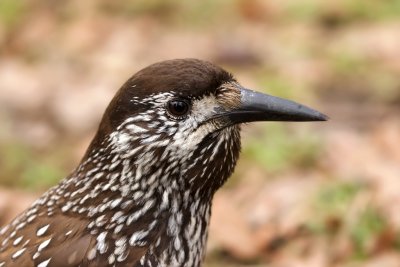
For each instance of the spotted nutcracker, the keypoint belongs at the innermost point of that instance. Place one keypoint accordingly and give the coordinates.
(141, 196)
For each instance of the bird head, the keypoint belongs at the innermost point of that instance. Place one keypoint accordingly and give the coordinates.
(179, 121)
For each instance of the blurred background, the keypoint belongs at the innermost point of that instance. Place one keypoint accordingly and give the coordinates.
(303, 194)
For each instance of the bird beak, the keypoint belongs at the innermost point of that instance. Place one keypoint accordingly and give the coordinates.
(256, 106)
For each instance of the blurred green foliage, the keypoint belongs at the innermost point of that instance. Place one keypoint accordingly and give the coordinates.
(331, 204)
(278, 149)
(174, 11)
(21, 168)
(336, 208)
(343, 11)
(11, 12)
(336, 198)
(363, 77)
(278, 86)
(367, 227)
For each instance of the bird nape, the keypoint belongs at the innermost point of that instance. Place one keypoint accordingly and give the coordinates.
(141, 196)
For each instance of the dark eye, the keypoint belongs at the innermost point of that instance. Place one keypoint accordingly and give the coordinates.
(178, 108)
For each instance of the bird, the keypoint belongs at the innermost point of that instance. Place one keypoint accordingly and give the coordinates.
(142, 193)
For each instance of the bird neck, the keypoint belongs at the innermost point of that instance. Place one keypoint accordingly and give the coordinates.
(152, 199)
(140, 204)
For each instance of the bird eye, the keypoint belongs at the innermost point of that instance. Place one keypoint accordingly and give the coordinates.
(178, 108)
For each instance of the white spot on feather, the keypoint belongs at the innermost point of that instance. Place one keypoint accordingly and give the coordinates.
(44, 263)
(17, 241)
(41, 231)
(44, 244)
(18, 253)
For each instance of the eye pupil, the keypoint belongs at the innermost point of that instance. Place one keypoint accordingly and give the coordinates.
(178, 107)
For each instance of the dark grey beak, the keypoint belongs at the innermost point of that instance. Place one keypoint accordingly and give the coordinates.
(262, 107)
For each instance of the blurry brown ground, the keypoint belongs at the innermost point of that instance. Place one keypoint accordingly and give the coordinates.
(310, 194)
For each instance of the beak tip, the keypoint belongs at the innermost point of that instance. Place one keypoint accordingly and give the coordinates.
(304, 113)
(322, 117)
(308, 114)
